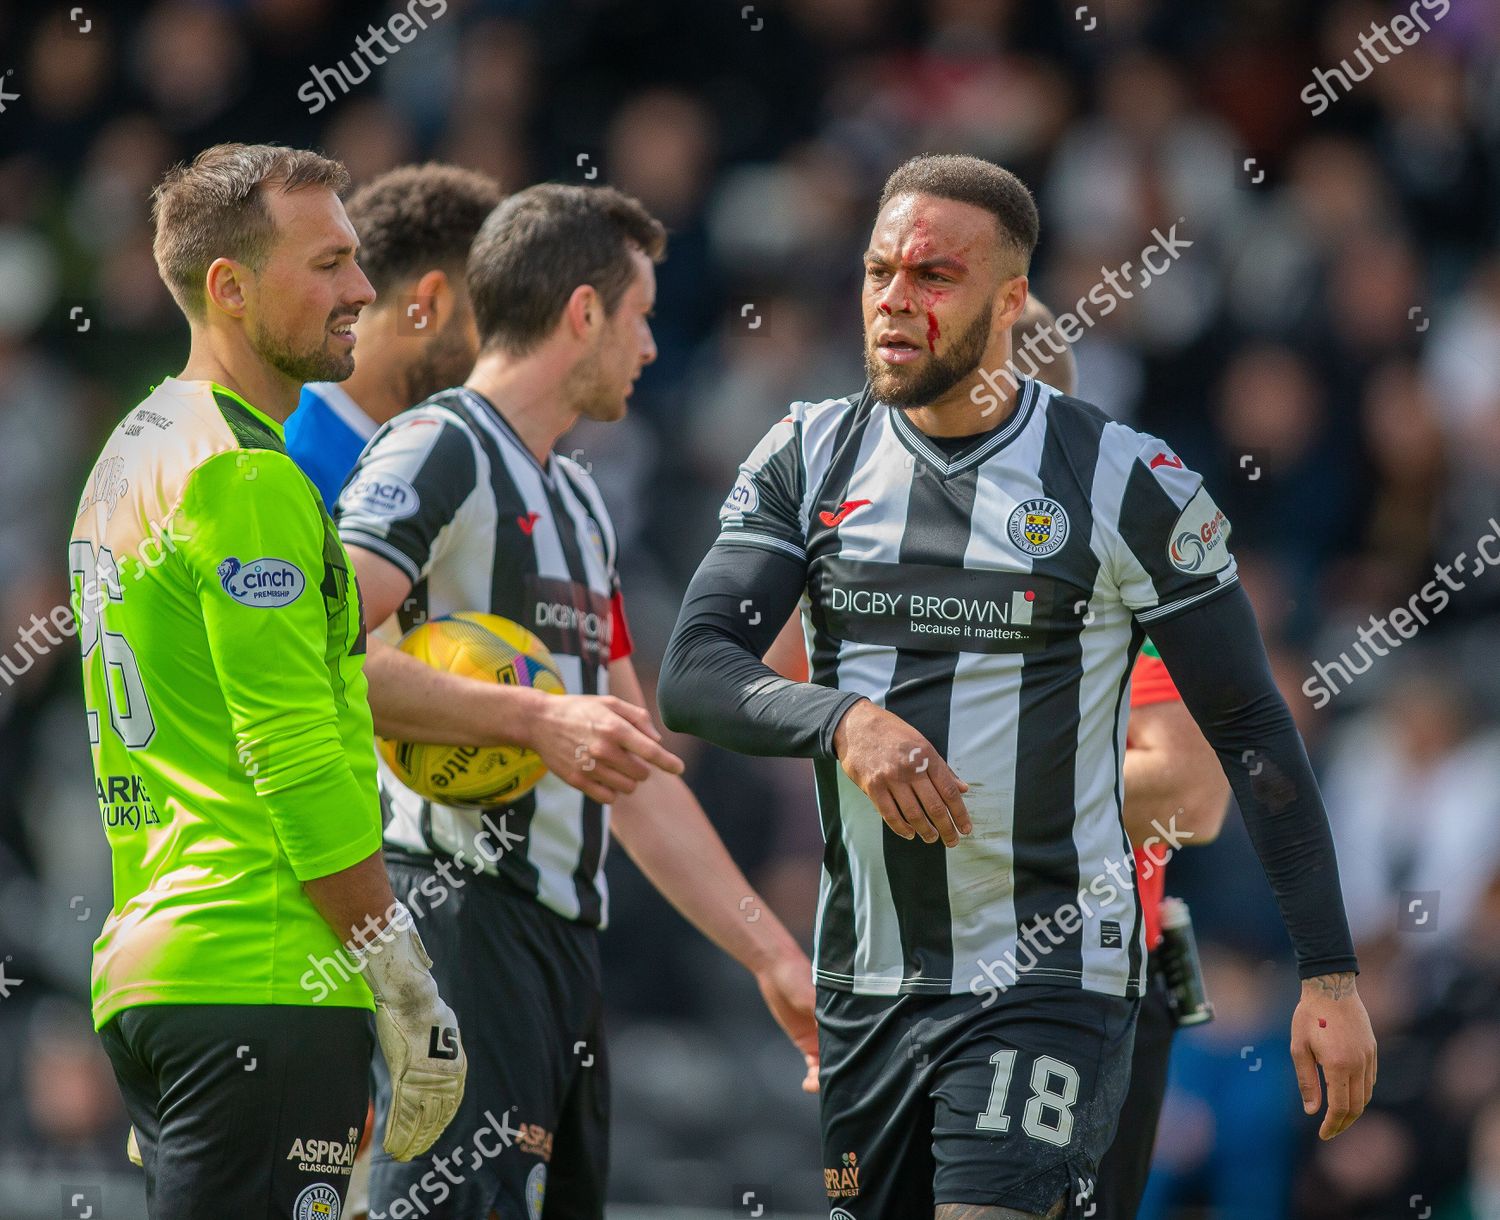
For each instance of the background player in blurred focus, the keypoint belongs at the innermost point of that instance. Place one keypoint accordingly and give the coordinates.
(461, 504)
(230, 728)
(929, 525)
(415, 226)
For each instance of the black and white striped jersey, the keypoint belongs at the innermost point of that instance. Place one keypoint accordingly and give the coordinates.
(449, 493)
(994, 597)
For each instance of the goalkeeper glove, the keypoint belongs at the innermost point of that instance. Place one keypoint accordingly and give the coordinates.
(418, 1036)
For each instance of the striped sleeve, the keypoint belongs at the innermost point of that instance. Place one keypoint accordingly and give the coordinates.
(1171, 541)
(764, 507)
(409, 486)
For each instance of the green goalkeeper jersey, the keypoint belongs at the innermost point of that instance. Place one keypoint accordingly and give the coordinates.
(223, 673)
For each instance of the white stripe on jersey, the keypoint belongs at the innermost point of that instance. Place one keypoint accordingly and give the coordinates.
(981, 884)
(868, 669)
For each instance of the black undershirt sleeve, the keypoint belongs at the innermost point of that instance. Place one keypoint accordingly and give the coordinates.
(1214, 653)
(713, 682)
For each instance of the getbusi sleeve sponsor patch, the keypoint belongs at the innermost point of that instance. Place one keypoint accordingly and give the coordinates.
(1199, 543)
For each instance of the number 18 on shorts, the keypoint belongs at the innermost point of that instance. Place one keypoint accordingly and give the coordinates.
(943, 1099)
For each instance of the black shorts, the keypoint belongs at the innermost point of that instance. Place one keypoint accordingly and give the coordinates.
(244, 1110)
(938, 1099)
(1127, 1164)
(534, 1122)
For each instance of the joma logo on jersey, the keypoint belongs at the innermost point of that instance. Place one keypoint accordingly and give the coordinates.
(124, 801)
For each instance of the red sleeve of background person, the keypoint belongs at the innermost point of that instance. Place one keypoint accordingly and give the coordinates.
(620, 643)
(1151, 683)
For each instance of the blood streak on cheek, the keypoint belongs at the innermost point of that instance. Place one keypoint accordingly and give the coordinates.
(932, 331)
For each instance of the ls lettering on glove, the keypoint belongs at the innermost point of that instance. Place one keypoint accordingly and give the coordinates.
(418, 1036)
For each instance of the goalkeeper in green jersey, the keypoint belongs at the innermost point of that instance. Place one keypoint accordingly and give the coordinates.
(223, 649)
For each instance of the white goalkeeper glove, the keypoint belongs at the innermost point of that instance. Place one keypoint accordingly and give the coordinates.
(418, 1036)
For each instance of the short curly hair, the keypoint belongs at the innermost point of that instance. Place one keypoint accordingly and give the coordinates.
(972, 180)
(416, 218)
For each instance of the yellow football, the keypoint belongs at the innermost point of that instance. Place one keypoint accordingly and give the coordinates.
(492, 649)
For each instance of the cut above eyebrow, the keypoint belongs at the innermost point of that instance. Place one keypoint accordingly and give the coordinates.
(939, 262)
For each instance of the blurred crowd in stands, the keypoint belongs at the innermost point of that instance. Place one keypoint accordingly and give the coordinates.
(1326, 351)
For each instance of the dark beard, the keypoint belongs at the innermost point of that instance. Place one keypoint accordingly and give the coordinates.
(311, 364)
(896, 386)
(445, 362)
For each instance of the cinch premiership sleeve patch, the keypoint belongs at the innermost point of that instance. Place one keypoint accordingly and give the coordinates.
(409, 485)
(1173, 540)
(256, 562)
(764, 507)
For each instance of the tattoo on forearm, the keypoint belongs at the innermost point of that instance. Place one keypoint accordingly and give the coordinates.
(1335, 986)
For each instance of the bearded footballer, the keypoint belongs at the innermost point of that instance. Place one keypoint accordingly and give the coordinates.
(223, 646)
(979, 560)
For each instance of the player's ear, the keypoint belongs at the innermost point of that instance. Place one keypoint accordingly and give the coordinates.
(433, 296)
(1010, 301)
(584, 311)
(225, 286)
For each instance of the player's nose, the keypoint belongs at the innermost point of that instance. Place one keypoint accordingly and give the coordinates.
(359, 292)
(897, 296)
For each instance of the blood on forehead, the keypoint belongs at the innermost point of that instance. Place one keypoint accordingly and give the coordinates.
(917, 232)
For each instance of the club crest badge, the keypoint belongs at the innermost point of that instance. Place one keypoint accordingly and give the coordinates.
(1039, 527)
(318, 1202)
